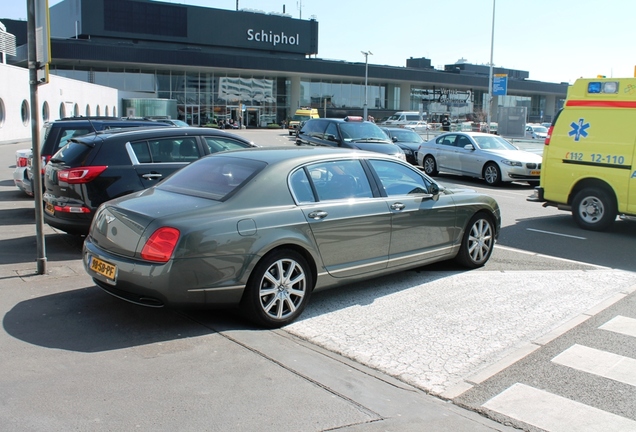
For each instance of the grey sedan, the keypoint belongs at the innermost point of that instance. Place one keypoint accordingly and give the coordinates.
(262, 229)
(479, 155)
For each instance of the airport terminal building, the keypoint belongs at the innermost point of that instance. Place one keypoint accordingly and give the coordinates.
(204, 64)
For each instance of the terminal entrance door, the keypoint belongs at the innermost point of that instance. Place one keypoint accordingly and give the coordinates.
(252, 117)
(192, 115)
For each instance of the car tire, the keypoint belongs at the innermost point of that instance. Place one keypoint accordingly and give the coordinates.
(478, 241)
(492, 174)
(594, 209)
(429, 165)
(278, 289)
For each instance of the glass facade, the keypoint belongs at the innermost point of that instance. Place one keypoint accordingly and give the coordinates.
(258, 100)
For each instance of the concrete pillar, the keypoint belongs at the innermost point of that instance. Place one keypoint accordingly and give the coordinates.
(405, 97)
(294, 97)
(550, 108)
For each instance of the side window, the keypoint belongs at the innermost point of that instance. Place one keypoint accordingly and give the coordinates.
(141, 151)
(462, 141)
(340, 180)
(314, 128)
(218, 144)
(162, 150)
(398, 179)
(300, 187)
(186, 150)
(332, 130)
(447, 140)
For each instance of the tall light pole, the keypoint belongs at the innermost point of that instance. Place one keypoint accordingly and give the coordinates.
(492, 46)
(366, 77)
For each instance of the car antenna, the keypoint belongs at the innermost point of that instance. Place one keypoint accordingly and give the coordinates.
(92, 125)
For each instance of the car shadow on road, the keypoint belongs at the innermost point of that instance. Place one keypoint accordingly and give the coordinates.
(89, 320)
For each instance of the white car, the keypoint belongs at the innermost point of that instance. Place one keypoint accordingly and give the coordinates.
(20, 178)
(420, 126)
(479, 155)
(536, 132)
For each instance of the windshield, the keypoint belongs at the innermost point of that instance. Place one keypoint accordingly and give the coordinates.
(493, 142)
(407, 135)
(361, 131)
(301, 117)
(539, 129)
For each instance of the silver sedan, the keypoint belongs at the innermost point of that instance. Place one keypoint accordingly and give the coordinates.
(479, 155)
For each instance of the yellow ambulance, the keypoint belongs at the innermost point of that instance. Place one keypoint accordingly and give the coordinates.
(302, 114)
(588, 157)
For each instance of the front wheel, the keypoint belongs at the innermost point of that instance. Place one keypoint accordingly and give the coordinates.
(593, 209)
(429, 165)
(278, 289)
(478, 242)
(492, 174)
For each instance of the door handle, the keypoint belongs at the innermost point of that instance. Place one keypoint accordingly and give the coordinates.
(318, 214)
(397, 206)
(152, 176)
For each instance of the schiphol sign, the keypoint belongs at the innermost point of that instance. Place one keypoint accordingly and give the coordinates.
(273, 38)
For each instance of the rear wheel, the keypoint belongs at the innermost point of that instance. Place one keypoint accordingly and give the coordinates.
(430, 166)
(278, 289)
(478, 241)
(594, 209)
(492, 174)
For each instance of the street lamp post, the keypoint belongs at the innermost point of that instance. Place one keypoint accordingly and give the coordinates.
(366, 77)
(492, 45)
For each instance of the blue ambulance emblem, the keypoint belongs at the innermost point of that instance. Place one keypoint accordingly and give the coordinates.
(579, 129)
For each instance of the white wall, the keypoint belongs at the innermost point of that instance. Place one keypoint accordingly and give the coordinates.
(74, 96)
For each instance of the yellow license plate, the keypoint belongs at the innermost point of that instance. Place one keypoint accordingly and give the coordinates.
(535, 172)
(103, 268)
(49, 208)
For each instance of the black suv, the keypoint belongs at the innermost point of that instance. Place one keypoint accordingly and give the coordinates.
(350, 132)
(95, 168)
(54, 135)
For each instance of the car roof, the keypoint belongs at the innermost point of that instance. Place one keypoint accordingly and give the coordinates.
(301, 154)
(154, 131)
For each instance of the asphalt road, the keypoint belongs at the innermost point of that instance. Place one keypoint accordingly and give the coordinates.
(463, 336)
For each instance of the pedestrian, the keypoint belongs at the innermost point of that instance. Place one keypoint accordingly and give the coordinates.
(370, 118)
(446, 124)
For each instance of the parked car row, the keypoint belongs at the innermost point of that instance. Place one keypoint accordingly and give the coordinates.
(191, 217)
(56, 134)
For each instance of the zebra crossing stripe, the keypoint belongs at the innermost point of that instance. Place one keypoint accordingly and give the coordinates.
(622, 325)
(555, 413)
(597, 362)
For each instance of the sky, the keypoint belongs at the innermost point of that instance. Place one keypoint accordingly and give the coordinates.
(553, 40)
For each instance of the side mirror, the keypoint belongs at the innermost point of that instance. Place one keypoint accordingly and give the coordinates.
(433, 189)
(331, 137)
(469, 147)
(394, 139)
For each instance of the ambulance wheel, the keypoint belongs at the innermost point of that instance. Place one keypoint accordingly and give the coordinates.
(492, 174)
(594, 209)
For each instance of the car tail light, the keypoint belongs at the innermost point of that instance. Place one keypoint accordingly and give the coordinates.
(161, 244)
(71, 209)
(549, 135)
(80, 175)
(45, 160)
(22, 161)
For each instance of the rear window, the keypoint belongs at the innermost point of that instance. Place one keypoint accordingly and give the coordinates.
(73, 154)
(213, 177)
